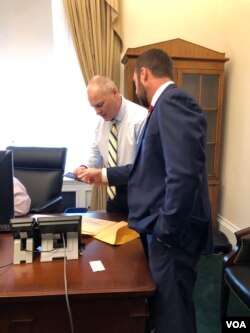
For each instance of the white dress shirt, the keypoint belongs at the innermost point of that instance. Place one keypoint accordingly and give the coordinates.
(129, 120)
(21, 198)
(159, 91)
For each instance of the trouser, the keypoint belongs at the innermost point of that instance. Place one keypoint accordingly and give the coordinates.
(173, 271)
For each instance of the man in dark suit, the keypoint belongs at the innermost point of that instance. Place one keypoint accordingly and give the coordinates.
(167, 191)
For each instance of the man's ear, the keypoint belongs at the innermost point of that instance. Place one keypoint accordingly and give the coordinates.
(115, 90)
(144, 74)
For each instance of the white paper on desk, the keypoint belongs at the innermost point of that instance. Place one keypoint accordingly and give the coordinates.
(92, 226)
(97, 266)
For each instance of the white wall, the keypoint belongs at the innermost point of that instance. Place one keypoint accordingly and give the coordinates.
(221, 25)
(26, 46)
(42, 93)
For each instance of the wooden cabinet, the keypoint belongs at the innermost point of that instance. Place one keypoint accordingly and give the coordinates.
(200, 71)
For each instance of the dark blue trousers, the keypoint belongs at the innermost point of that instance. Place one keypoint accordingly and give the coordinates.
(173, 271)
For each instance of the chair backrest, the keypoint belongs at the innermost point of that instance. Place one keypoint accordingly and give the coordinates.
(41, 170)
(236, 271)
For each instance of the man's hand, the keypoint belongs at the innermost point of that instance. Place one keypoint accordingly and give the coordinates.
(90, 175)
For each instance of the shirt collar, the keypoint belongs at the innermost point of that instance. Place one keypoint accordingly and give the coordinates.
(121, 112)
(159, 91)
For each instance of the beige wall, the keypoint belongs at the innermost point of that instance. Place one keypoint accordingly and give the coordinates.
(221, 25)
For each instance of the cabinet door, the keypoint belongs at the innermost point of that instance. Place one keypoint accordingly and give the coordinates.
(205, 87)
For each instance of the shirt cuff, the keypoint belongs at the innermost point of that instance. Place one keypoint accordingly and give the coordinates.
(104, 175)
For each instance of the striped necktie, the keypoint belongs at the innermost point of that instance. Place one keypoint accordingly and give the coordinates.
(112, 156)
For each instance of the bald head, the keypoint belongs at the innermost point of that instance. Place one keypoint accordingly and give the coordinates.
(104, 96)
(101, 83)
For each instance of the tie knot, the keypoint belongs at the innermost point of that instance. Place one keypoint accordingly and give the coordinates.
(150, 109)
(113, 129)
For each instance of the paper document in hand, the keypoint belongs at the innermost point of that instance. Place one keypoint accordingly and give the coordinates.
(117, 234)
(92, 226)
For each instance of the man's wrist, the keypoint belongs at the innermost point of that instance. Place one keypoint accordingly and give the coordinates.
(104, 175)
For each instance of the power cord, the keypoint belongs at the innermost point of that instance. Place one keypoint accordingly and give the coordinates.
(65, 279)
(10, 264)
(66, 286)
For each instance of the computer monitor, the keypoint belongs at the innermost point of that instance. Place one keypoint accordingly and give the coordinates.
(6, 187)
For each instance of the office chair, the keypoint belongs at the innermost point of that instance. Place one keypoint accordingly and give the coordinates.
(236, 271)
(41, 171)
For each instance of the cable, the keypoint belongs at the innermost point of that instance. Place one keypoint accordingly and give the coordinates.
(66, 286)
(65, 278)
(2, 272)
(10, 264)
(40, 251)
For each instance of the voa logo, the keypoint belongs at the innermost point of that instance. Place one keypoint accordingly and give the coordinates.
(235, 324)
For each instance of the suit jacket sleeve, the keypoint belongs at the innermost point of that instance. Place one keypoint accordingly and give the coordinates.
(118, 175)
(182, 131)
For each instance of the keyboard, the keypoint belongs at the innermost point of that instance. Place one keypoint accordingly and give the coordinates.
(5, 228)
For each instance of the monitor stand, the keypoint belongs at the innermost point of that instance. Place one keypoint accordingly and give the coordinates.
(50, 251)
(23, 250)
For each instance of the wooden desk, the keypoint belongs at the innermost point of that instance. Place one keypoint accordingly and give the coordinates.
(32, 296)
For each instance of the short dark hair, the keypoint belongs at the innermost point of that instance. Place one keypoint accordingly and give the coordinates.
(157, 61)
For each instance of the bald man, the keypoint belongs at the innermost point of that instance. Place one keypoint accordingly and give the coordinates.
(104, 97)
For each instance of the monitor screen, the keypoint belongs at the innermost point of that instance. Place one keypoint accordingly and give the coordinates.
(6, 187)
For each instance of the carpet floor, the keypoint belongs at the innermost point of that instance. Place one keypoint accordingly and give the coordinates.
(207, 296)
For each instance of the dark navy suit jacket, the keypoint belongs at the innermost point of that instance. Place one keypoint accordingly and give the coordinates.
(167, 183)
